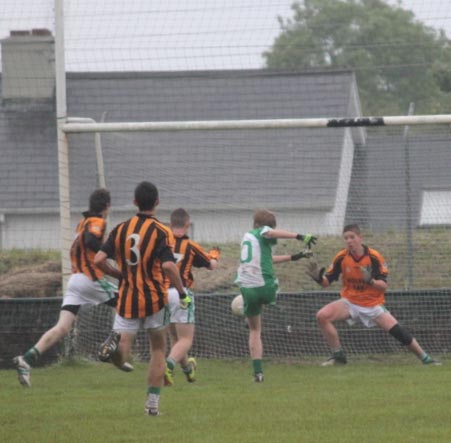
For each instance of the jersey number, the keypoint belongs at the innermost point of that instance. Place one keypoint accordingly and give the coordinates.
(135, 254)
(246, 252)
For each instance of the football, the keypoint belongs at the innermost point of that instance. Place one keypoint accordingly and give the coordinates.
(237, 306)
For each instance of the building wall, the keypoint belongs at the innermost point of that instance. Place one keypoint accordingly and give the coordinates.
(42, 231)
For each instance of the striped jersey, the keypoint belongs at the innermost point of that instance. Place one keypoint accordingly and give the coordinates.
(140, 246)
(354, 288)
(256, 266)
(89, 236)
(187, 254)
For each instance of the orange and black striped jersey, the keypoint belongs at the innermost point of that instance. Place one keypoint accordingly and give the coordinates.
(354, 288)
(90, 232)
(187, 254)
(140, 246)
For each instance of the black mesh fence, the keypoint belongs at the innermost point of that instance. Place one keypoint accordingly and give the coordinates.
(289, 328)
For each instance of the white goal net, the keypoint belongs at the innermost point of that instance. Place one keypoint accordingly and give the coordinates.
(316, 179)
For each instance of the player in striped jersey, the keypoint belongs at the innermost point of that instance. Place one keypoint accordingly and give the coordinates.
(256, 279)
(364, 277)
(142, 248)
(188, 254)
(86, 285)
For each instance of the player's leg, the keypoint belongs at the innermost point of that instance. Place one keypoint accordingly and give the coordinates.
(252, 307)
(325, 317)
(155, 372)
(157, 330)
(170, 361)
(50, 338)
(388, 323)
(109, 347)
(125, 330)
(256, 346)
(123, 355)
(185, 333)
(181, 333)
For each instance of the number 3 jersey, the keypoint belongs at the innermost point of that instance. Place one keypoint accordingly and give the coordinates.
(256, 266)
(140, 246)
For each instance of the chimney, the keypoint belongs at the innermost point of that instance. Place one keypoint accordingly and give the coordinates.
(28, 65)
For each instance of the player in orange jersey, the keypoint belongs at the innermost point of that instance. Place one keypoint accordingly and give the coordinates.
(364, 277)
(142, 248)
(188, 254)
(86, 285)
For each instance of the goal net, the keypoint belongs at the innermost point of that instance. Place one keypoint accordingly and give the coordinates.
(392, 179)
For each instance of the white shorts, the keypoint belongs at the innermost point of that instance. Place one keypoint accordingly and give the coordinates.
(179, 315)
(132, 325)
(81, 290)
(364, 314)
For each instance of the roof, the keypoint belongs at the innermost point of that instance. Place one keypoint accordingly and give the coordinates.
(399, 169)
(190, 168)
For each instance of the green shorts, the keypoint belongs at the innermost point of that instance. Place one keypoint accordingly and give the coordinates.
(254, 298)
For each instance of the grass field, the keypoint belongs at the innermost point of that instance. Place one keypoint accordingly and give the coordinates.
(365, 401)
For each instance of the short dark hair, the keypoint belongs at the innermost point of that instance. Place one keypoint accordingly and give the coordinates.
(263, 217)
(354, 227)
(179, 218)
(99, 200)
(146, 196)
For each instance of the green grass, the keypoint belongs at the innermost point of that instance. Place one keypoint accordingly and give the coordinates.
(401, 401)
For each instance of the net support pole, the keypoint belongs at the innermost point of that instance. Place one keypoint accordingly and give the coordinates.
(62, 143)
(101, 182)
(409, 228)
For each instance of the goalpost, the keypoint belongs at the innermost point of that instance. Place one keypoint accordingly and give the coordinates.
(343, 170)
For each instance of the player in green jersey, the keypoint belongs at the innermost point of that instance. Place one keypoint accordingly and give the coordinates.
(256, 279)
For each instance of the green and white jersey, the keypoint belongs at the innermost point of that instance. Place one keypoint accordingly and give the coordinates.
(256, 267)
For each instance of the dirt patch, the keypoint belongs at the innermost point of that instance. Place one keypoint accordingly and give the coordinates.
(44, 280)
(219, 280)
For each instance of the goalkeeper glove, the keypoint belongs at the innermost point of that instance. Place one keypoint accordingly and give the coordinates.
(308, 239)
(214, 253)
(315, 272)
(186, 299)
(366, 274)
(303, 254)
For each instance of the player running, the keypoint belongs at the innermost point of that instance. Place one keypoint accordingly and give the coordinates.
(188, 254)
(86, 285)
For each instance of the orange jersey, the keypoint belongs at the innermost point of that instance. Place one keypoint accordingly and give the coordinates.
(140, 246)
(354, 288)
(90, 229)
(187, 254)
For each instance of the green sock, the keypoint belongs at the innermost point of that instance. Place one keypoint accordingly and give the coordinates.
(31, 356)
(257, 365)
(153, 390)
(426, 358)
(170, 363)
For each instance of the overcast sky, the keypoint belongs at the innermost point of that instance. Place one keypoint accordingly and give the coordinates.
(159, 35)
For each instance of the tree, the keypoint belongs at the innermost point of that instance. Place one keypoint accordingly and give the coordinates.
(397, 59)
